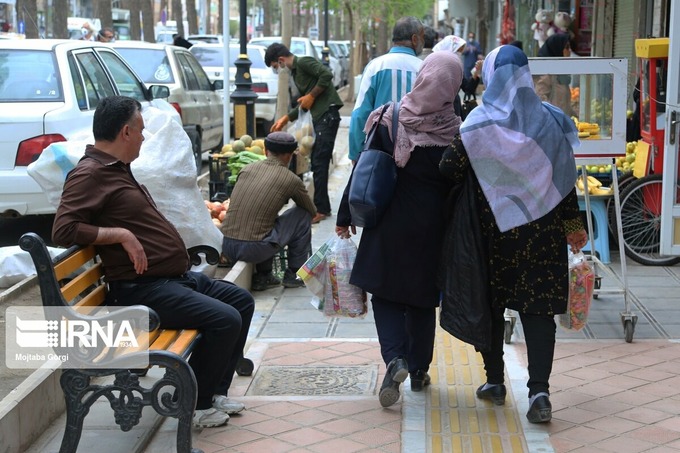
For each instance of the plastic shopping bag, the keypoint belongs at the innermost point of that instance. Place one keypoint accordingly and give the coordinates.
(303, 131)
(313, 272)
(341, 298)
(581, 284)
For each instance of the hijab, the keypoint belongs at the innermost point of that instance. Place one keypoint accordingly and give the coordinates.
(521, 149)
(451, 43)
(554, 47)
(426, 115)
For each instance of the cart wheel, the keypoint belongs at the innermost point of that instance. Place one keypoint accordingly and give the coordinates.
(245, 367)
(628, 330)
(597, 284)
(507, 335)
(641, 219)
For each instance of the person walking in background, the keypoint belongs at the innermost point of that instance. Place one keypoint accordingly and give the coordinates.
(395, 259)
(555, 88)
(472, 53)
(430, 39)
(315, 82)
(514, 216)
(456, 45)
(106, 34)
(144, 257)
(387, 78)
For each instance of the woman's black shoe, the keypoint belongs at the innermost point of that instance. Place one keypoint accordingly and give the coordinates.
(540, 410)
(496, 394)
(397, 371)
(419, 379)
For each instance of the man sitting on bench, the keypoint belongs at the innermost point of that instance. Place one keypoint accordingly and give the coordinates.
(145, 260)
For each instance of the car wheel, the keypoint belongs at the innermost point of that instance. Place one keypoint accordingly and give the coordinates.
(196, 145)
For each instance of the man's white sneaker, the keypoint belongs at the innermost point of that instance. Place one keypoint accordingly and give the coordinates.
(209, 418)
(224, 404)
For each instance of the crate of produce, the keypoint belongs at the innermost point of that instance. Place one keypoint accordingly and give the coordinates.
(219, 168)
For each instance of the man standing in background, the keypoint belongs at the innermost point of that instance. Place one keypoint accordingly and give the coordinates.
(473, 52)
(387, 78)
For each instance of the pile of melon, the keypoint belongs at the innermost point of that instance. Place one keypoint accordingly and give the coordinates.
(245, 143)
(305, 138)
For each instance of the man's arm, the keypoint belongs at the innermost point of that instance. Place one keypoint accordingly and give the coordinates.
(302, 199)
(364, 107)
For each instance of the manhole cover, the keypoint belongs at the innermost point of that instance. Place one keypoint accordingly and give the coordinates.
(314, 380)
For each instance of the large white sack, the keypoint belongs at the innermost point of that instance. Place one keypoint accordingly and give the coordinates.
(16, 264)
(165, 166)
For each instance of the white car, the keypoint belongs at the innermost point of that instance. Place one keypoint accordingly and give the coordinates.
(208, 39)
(302, 47)
(197, 100)
(264, 82)
(49, 90)
(333, 64)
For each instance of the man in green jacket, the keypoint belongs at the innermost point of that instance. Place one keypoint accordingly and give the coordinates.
(315, 82)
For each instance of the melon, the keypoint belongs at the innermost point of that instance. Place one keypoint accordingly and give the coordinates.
(238, 146)
(256, 150)
(247, 140)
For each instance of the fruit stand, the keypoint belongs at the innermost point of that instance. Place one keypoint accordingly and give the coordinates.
(598, 100)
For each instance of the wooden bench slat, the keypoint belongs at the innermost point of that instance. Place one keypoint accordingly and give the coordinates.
(165, 339)
(183, 342)
(74, 262)
(94, 299)
(76, 286)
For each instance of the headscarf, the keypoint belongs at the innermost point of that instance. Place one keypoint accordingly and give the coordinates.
(520, 148)
(451, 43)
(554, 45)
(426, 115)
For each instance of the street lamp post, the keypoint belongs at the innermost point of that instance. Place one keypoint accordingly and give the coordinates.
(324, 53)
(243, 96)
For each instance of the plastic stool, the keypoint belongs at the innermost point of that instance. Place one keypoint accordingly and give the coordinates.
(598, 209)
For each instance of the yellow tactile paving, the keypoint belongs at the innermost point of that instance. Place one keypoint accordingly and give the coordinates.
(456, 420)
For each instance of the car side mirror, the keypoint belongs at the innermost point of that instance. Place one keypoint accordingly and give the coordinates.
(159, 91)
(218, 85)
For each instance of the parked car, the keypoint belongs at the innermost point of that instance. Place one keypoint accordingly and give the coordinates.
(49, 90)
(209, 39)
(302, 47)
(333, 63)
(165, 37)
(197, 99)
(265, 82)
(340, 51)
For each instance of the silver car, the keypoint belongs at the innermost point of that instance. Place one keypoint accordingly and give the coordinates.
(49, 90)
(192, 94)
(265, 82)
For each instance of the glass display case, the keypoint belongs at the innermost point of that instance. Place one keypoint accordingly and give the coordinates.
(593, 92)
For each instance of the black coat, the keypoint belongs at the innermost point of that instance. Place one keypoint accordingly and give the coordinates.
(397, 260)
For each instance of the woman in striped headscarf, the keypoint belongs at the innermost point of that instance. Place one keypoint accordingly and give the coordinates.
(515, 214)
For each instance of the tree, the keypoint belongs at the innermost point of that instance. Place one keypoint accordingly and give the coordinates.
(148, 21)
(135, 24)
(27, 11)
(192, 19)
(60, 19)
(177, 16)
(102, 10)
(208, 25)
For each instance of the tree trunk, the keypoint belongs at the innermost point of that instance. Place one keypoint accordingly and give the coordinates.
(267, 12)
(148, 20)
(383, 38)
(352, 53)
(59, 19)
(135, 24)
(208, 22)
(220, 20)
(27, 11)
(192, 18)
(177, 16)
(102, 10)
(283, 99)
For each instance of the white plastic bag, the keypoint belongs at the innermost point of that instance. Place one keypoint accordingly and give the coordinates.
(313, 272)
(16, 264)
(303, 131)
(341, 298)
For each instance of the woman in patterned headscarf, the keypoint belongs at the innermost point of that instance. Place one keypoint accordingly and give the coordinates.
(506, 242)
(396, 259)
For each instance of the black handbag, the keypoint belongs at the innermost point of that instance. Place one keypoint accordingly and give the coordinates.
(374, 177)
(469, 103)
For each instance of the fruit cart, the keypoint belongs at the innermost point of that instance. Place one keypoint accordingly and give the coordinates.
(641, 195)
(598, 88)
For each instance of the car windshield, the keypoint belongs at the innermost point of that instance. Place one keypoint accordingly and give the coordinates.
(212, 56)
(152, 65)
(29, 75)
(297, 47)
